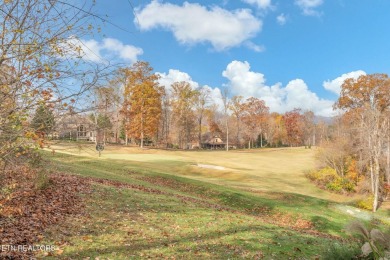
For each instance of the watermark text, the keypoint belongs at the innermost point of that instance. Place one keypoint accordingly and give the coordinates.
(27, 248)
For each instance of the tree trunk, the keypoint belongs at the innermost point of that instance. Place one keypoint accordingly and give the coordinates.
(376, 186)
(96, 129)
(371, 165)
(200, 132)
(142, 131)
(142, 123)
(227, 135)
(261, 140)
(186, 144)
(372, 176)
(238, 132)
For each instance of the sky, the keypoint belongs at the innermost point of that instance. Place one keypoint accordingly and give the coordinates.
(290, 53)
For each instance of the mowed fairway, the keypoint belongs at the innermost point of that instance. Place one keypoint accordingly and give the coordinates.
(277, 170)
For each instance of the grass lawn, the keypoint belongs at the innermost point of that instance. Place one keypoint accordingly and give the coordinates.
(159, 204)
(279, 170)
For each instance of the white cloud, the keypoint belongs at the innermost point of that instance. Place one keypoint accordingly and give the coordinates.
(215, 96)
(308, 6)
(335, 85)
(263, 4)
(167, 79)
(193, 23)
(298, 95)
(173, 76)
(101, 52)
(254, 47)
(281, 19)
(117, 48)
(243, 81)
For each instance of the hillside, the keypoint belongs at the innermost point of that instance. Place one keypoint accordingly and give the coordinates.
(142, 206)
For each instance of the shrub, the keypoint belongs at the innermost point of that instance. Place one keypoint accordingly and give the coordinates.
(42, 180)
(34, 159)
(327, 178)
(366, 203)
(323, 175)
(335, 185)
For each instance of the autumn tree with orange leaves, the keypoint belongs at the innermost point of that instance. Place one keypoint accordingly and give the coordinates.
(276, 130)
(184, 99)
(293, 121)
(236, 105)
(142, 101)
(366, 103)
(255, 115)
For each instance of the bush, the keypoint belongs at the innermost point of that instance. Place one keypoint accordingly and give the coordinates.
(366, 203)
(335, 185)
(327, 178)
(34, 159)
(42, 181)
(323, 175)
(341, 184)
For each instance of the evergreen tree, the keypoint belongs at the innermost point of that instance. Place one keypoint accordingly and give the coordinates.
(43, 120)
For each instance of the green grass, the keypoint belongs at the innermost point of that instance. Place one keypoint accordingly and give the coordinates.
(200, 213)
(280, 170)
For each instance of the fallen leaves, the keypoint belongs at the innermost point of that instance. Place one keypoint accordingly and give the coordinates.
(28, 211)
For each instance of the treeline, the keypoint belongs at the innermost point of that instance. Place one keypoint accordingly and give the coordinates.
(354, 147)
(180, 116)
(356, 157)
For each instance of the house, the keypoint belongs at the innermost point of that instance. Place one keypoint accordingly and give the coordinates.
(76, 127)
(214, 142)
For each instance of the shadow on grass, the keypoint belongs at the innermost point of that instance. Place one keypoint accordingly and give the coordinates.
(214, 244)
(235, 199)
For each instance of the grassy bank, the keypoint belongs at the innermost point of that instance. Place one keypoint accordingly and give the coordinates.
(143, 205)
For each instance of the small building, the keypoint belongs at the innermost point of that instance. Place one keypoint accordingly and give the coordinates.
(214, 143)
(76, 127)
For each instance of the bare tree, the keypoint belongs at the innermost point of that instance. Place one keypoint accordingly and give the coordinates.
(236, 106)
(202, 100)
(41, 61)
(367, 102)
(183, 104)
(226, 105)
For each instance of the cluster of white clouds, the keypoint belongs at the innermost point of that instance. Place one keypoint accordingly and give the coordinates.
(261, 4)
(242, 81)
(282, 19)
(102, 52)
(192, 23)
(308, 7)
(296, 94)
(167, 79)
(335, 85)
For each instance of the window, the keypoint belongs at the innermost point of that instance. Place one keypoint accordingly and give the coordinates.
(81, 131)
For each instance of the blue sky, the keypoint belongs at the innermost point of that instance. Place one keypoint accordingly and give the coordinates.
(291, 53)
